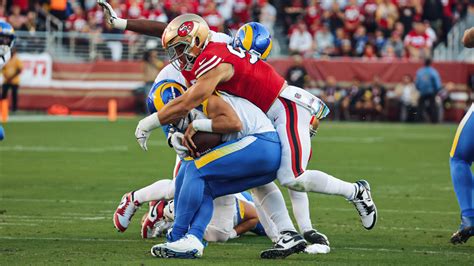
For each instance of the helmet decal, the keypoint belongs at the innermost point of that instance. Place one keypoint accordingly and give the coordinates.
(185, 28)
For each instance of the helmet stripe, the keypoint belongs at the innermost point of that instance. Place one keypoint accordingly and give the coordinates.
(267, 51)
(247, 43)
(158, 97)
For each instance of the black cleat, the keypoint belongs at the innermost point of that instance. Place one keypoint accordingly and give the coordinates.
(315, 237)
(466, 230)
(290, 242)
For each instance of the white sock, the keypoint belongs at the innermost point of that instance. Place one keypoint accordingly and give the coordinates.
(273, 204)
(317, 181)
(162, 189)
(269, 226)
(300, 203)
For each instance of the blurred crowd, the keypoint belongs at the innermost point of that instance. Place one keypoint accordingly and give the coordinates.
(311, 28)
(418, 97)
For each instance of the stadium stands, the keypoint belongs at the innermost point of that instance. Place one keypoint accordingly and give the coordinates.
(386, 28)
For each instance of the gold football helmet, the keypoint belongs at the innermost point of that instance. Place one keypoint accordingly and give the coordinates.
(184, 39)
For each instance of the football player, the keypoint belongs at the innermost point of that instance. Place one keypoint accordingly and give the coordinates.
(233, 216)
(250, 139)
(269, 195)
(7, 40)
(211, 66)
(461, 158)
(259, 44)
(358, 193)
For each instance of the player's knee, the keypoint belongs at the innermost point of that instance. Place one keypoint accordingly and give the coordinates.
(216, 234)
(295, 185)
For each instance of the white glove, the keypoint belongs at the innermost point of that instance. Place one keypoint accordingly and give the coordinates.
(144, 128)
(142, 137)
(177, 143)
(111, 16)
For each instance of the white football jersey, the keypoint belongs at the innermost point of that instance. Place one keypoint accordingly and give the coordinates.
(254, 121)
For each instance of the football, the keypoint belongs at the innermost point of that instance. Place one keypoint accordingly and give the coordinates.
(205, 141)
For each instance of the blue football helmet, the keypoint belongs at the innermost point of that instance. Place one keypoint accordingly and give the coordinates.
(7, 34)
(254, 38)
(162, 93)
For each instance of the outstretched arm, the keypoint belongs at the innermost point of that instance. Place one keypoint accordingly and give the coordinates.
(142, 26)
(147, 27)
(468, 38)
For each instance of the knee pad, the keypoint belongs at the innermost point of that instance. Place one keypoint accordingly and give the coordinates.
(216, 234)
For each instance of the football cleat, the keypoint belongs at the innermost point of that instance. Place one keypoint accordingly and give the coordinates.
(290, 242)
(364, 204)
(152, 219)
(125, 211)
(317, 242)
(315, 237)
(466, 230)
(188, 247)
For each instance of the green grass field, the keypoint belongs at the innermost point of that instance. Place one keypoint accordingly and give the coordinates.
(61, 181)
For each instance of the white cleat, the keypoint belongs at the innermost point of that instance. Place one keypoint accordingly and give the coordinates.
(290, 242)
(125, 211)
(365, 205)
(188, 247)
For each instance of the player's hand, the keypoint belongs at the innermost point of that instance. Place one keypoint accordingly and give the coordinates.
(111, 17)
(176, 141)
(142, 136)
(188, 140)
(313, 127)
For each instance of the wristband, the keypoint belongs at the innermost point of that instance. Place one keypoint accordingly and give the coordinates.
(120, 23)
(202, 125)
(150, 122)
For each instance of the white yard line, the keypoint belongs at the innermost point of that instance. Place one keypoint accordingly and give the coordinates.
(62, 201)
(404, 251)
(435, 252)
(22, 148)
(53, 218)
(348, 209)
(69, 239)
(54, 118)
(351, 209)
(18, 224)
(389, 228)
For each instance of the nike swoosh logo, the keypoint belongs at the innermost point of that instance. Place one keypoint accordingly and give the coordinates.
(287, 241)
(202, 62)
(153, 213)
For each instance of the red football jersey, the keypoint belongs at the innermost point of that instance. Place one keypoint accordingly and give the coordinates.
(253, 79)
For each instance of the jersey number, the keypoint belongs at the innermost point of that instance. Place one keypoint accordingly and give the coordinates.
(242, 54)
